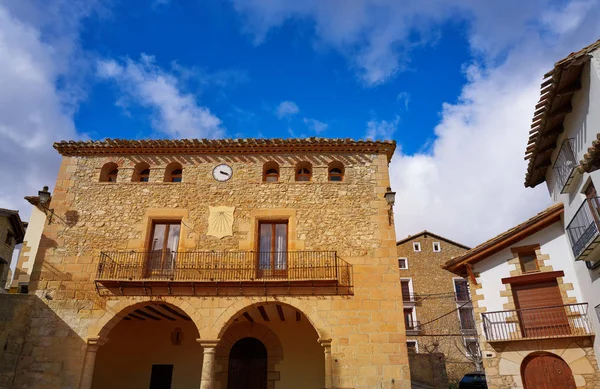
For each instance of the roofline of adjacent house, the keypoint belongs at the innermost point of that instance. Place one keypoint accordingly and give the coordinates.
(425, 232)
(15, 219)
(225, 146)
(558, 86)
(540, 221)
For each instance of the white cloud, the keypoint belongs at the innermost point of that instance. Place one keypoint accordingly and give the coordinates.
(38, 46)
(286, 109)
(315, 125)
(468, 184)
(403, 99)
(176, 113)
(382, 129)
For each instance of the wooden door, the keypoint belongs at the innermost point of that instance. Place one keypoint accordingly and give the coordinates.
(272, 250)
(247, 365)
(162, 253)
(541, 311)
(161, 376)
(546, 371)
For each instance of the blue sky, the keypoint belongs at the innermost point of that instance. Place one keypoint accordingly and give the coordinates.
(454, 82)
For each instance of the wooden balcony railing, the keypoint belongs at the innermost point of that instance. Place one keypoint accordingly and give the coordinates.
(583, 230)
(537, 323)
(226, 268)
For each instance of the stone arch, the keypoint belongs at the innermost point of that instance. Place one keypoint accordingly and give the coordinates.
(243, 330)
(563, 370)
(141, 169)
(114, 314)
(108, 171)
(230, 314)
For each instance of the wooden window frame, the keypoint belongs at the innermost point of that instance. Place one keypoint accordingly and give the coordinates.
(303, 175)
(527, 250)
(144, 175)
(112, 175)
(331, 174)
(272, 271)
(177, 177)
(267, 175)
(154, 223)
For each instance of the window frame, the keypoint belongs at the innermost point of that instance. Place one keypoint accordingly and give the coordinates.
(112, 175)
(272, 270)
(144, 175)
(460, 318)
(152, 254)
(335, 165)
(177, 177)
(521, 251)
(456, 292)
(417, 247)
(405, 263)
(416, 345)
(302, 166)
(439, 247)
(467, 350)
(268, 175)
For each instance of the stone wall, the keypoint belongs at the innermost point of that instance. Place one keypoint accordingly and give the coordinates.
(435, 288)
(6, 251)
(429, 369)
(368, 347)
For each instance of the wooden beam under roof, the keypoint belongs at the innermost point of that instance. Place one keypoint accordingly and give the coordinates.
(280, 312)
(248, 317)
(146, 314)
(174, 312)
(263, 313)
(569, 89)
(159, 313)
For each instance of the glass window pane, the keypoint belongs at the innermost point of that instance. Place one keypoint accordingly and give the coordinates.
(266, 236)
(528, 262)
(158, 239)
(281, 246)
(173, 240)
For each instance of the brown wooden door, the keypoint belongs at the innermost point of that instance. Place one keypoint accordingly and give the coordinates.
(247, 365)
(272, 249)
(546, 371)
(541, 311)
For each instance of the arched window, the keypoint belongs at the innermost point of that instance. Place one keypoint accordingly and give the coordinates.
(141, 172)
(174, 172)
(109, 172)
(303, 171)
(335, 171)
(271, 172)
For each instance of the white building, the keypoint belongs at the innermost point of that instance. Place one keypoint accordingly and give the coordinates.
(564, 152)
(532, 317)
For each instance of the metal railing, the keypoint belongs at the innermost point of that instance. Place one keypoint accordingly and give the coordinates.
(564, 164)
(413, 326)
(468, 326)
(583, 228)
(224, 266)
(535, 323)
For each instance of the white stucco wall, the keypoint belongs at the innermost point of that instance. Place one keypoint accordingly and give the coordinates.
(583, 126)
(32, 238)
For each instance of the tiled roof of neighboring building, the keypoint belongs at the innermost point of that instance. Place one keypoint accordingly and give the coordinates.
(225, 146)
(555, 103)
(507, 238)
(18, 225)
(425, 232)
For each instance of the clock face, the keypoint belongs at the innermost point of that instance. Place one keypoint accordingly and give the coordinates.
(222, 172)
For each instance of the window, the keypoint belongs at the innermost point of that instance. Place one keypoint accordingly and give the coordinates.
(403, 263)
(467, 318)
(412, 346)
(109, 172)
(272, 256)
(409, 320)
(461, 288)
(472, 347)
(141, 172)
(271, 172)
(436, 247)
(303, 171)
(417, 246)
(528, 262)
(174, 172)
(164, 243)
(406, 286)
(336, 171)
(598, 311)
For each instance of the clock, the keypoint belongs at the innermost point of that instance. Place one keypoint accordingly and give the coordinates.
(222, 172)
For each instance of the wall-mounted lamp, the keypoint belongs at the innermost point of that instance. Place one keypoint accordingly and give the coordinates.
(44, 196)
(390, 197)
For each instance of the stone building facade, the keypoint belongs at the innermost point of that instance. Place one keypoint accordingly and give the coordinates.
(533, 323)
(185, 261)
(437, 307)
(12, 230)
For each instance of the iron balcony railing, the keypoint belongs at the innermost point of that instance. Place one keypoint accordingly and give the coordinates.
(565, 164)
(225, 266)
(410, 297)
(413, 326)
(583, 228)
(537, 323)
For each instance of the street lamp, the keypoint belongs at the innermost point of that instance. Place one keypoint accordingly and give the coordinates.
(44, 200)
(390, 197)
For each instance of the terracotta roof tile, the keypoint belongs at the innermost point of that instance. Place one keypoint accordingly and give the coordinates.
(224, 146)
(546, 217)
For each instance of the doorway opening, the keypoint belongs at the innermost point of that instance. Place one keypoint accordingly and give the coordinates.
(247, 365)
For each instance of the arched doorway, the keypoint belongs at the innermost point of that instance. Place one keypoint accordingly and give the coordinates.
(546, 371)
(153, 346)
(247, 365)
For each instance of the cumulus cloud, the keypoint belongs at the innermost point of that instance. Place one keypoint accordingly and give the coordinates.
(176, 113)
(468, 183)
(382, 129)
(315, 125)
(38, 47)
(286, 109)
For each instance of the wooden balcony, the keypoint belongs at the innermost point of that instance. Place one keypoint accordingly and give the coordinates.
(227, 273)
(561, 321)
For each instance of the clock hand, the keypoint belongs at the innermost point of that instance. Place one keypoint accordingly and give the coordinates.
(222, 172)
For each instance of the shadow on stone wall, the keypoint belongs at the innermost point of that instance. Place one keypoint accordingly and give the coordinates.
(34, 345)
(428, 370)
